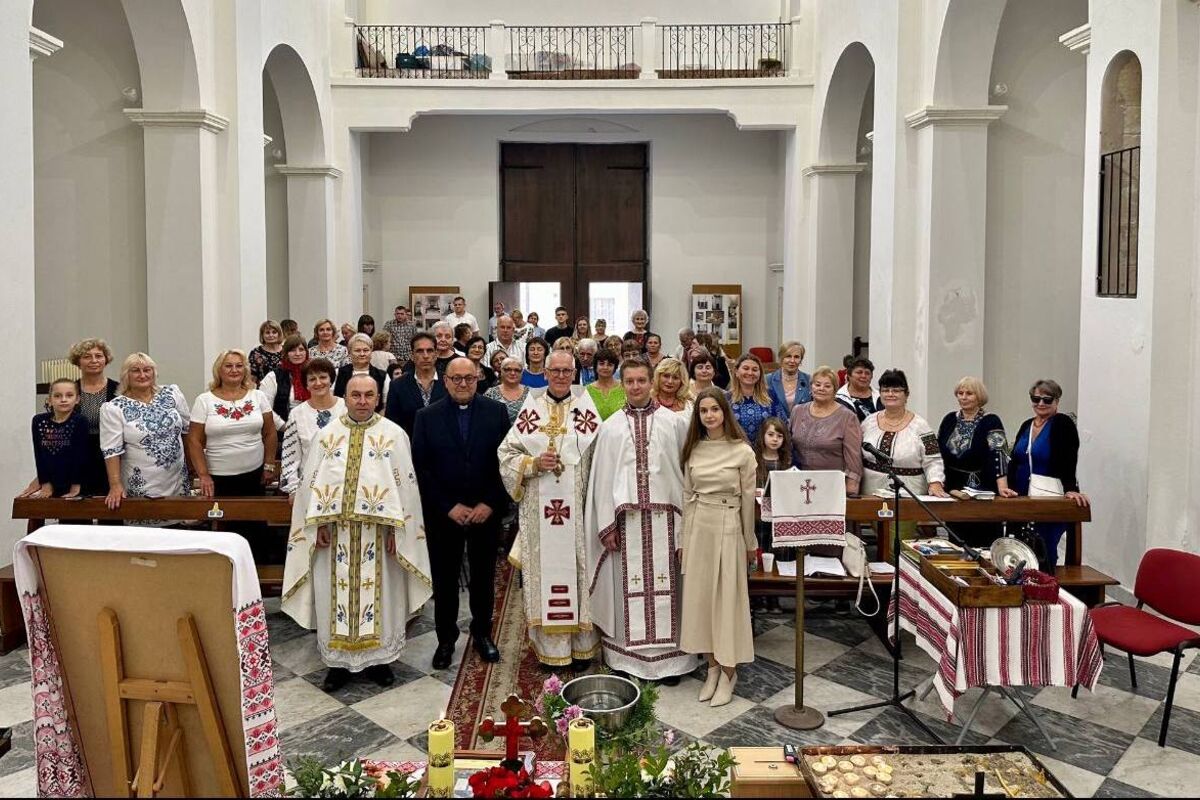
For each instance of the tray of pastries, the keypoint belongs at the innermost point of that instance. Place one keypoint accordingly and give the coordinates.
(925, 771)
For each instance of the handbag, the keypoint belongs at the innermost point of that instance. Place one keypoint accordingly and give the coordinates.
(854, 559)
(1042, 485)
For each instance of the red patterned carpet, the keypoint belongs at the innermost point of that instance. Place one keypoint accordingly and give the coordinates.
(481, 687)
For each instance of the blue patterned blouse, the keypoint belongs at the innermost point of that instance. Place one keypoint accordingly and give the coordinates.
(751, 415)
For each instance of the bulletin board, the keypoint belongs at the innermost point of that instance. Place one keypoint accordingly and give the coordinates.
(717, 309)
(430, 304)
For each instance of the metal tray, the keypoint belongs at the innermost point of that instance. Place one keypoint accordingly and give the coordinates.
(845, 751)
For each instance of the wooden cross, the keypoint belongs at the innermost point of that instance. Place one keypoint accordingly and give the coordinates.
(808, 488)
(512, 729)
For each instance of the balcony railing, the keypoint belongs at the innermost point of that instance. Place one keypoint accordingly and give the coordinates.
(723, 51)
(572, 52)
(422, 51)
(576, 52)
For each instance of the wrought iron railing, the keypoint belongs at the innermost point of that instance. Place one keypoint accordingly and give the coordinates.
(572, 52)
(422, 51)
(1117, 268)
(723, 51)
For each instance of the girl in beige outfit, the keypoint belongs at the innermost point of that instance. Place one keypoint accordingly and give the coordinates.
(718, 539)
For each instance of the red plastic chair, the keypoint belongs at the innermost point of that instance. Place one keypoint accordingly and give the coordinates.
(1166, 582)
(764, 354)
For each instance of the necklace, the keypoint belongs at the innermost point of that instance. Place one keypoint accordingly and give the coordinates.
(892, 425)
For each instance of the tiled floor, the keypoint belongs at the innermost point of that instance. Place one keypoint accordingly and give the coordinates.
(1107, 742)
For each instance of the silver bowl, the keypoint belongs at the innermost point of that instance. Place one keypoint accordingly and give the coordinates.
(608, 700)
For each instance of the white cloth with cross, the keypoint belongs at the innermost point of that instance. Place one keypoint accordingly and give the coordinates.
(808, 508)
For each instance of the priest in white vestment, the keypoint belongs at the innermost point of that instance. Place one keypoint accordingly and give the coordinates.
(634, 527)
(544, 461)
(357, 565)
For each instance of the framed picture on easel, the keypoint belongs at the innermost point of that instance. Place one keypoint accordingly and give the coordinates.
(717, 310)
(430, 304)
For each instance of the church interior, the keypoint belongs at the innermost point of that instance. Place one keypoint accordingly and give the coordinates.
(959, 194)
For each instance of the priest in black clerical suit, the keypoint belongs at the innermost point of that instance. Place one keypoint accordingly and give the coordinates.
(455, 442)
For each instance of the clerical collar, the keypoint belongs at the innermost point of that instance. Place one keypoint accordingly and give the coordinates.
(558, 399)
(464, 406)
(353, 423)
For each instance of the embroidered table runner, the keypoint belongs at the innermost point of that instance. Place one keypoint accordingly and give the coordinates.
(807, 508)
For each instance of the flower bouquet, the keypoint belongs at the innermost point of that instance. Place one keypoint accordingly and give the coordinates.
(503, 782)
(553, 707)
(347, 779)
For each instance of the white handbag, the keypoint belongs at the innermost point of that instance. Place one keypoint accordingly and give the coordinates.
(854, 559)
(1042, 485)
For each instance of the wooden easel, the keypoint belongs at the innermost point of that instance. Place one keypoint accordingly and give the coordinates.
(160, 717)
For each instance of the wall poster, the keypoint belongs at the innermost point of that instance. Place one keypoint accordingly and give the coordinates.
(717, 309)
(430, 304)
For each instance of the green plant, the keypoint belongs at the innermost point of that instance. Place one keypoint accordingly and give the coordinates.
(640, 732)
(691, 772)
(348, 779)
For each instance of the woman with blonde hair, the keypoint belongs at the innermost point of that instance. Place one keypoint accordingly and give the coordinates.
(583, 330)
(749, 398)
(327, 346)
(269, 352)
(141, 435)
(93, 356)
(718, 540)
(671, 388)
(975, 453)
(789, 385)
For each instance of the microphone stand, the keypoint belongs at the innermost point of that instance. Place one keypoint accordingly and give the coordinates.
(897, 699)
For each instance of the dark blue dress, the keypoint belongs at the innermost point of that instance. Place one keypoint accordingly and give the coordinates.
(1051, 532)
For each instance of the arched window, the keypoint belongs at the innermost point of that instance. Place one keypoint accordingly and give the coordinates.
(1120, 174)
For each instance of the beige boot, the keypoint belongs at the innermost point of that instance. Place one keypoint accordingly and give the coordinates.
(710, 685)
(724, 691)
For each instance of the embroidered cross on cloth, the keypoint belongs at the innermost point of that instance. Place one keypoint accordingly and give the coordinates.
(808, 508)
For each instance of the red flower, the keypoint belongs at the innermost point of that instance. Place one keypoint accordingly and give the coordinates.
(500, 782)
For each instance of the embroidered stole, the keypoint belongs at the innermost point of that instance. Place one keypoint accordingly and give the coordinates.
(570, 428)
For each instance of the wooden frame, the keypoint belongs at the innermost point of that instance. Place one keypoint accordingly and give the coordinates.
(725, 321)
(443, 294)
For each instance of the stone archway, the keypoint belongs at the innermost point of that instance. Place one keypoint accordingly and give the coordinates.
(303, 163)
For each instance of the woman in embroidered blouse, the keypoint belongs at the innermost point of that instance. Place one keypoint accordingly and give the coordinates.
(788, 385)
(93, 356)
(232, 437)
(306, 420)
(974, 450)
(606, 391)
(670, 387)
(141, 433)
(269, 352)
(60, 444)
(536, 351)
(826, 434)
(1047, 444)
(749, 398)
(327, 346)
(284, 386)
(509, 390)
(904, 436)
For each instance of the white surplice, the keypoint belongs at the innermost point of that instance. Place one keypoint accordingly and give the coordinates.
(636, 489)
(550, 548)
(359, 481)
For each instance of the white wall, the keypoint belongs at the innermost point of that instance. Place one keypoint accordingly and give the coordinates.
(1034, 208)
(713, 208)
(276, 206)
(89, 168)
(566, 12)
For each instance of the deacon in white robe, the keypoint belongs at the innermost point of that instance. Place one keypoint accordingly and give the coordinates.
(544, 461)
(634, 530)
(357, 564)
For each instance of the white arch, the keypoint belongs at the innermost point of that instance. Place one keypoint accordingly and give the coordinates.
(965, 49)
(298, 106)
(838, 132)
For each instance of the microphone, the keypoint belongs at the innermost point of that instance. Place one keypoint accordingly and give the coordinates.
(879, 456)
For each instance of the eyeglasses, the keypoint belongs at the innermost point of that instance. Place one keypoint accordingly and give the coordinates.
(891, 390)
(561, 370)
(511, 369)
(1041, 400)
(461, 380)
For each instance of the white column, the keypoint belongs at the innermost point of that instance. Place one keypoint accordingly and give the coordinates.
(831, 260)
(951, 224)
(182, 264)
(312, 279)
(649, 56)
(796, 58)
(497, 48)
(797, 303)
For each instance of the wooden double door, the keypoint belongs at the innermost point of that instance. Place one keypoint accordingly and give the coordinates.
(575, 214)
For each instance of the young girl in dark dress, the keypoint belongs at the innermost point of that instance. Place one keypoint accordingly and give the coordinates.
(60, 444)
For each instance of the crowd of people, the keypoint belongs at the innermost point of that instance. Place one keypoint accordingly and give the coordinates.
(630, 471)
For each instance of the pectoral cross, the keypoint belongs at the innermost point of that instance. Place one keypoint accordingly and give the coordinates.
(512, 729)
(808, 488)
(553, 429)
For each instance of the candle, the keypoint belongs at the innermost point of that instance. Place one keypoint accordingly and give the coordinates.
(581, 744)
(440, 770)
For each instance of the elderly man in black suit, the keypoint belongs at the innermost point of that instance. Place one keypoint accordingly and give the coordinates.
(417, 389)
(455, 443)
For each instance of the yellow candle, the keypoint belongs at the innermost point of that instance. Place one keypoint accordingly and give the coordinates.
(581, 744)
(439, 773)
